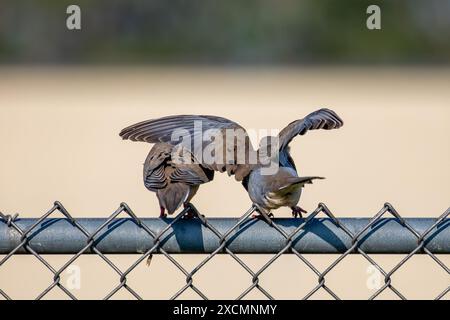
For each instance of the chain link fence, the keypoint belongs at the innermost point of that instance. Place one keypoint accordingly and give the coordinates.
(386, 232)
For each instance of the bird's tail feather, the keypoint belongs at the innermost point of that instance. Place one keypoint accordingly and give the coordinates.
(299, 180)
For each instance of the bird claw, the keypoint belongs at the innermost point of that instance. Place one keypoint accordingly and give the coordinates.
(189, 215)
(261, 216)
(191, 212)
(297, 212)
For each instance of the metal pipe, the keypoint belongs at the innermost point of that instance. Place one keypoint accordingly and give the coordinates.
(321, 236)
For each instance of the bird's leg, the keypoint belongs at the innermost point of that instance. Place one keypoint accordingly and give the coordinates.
(297, 212)
(257, 213)
(261, 214)
(192, 211)
(162, 213)
(267, 217)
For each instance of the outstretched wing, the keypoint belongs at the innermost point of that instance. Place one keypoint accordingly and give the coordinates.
(321, 119)
(205, 135)
(162, 129)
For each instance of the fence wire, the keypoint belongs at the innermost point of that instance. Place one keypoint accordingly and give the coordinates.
(93, 239)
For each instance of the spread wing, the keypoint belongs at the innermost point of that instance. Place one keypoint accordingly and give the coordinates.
(216, 143)
(321, 119)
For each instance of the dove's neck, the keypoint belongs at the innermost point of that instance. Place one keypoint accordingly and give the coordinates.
(286, 159)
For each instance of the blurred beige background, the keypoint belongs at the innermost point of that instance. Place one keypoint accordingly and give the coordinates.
(59, 129)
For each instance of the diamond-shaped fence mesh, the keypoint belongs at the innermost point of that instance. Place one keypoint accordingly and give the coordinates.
(386, 232)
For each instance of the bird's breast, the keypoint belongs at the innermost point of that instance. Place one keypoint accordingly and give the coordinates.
(287, 197)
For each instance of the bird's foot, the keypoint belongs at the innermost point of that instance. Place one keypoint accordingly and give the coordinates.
(162, 213)
(261, 216)
(191, 212)
(297, 212)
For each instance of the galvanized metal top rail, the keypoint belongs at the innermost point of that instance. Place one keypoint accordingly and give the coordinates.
(133, 235)
(320, 235)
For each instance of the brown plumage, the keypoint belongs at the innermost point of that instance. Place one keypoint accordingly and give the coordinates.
(284, 188)
(176, 183)
(162, 129)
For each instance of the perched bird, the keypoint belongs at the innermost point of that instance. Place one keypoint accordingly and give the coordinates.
(267, 191)
(284, 188)
(175, 183)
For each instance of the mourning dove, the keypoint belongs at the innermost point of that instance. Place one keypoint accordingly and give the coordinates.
(284, 187)
(175, 184)
(267, 191)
